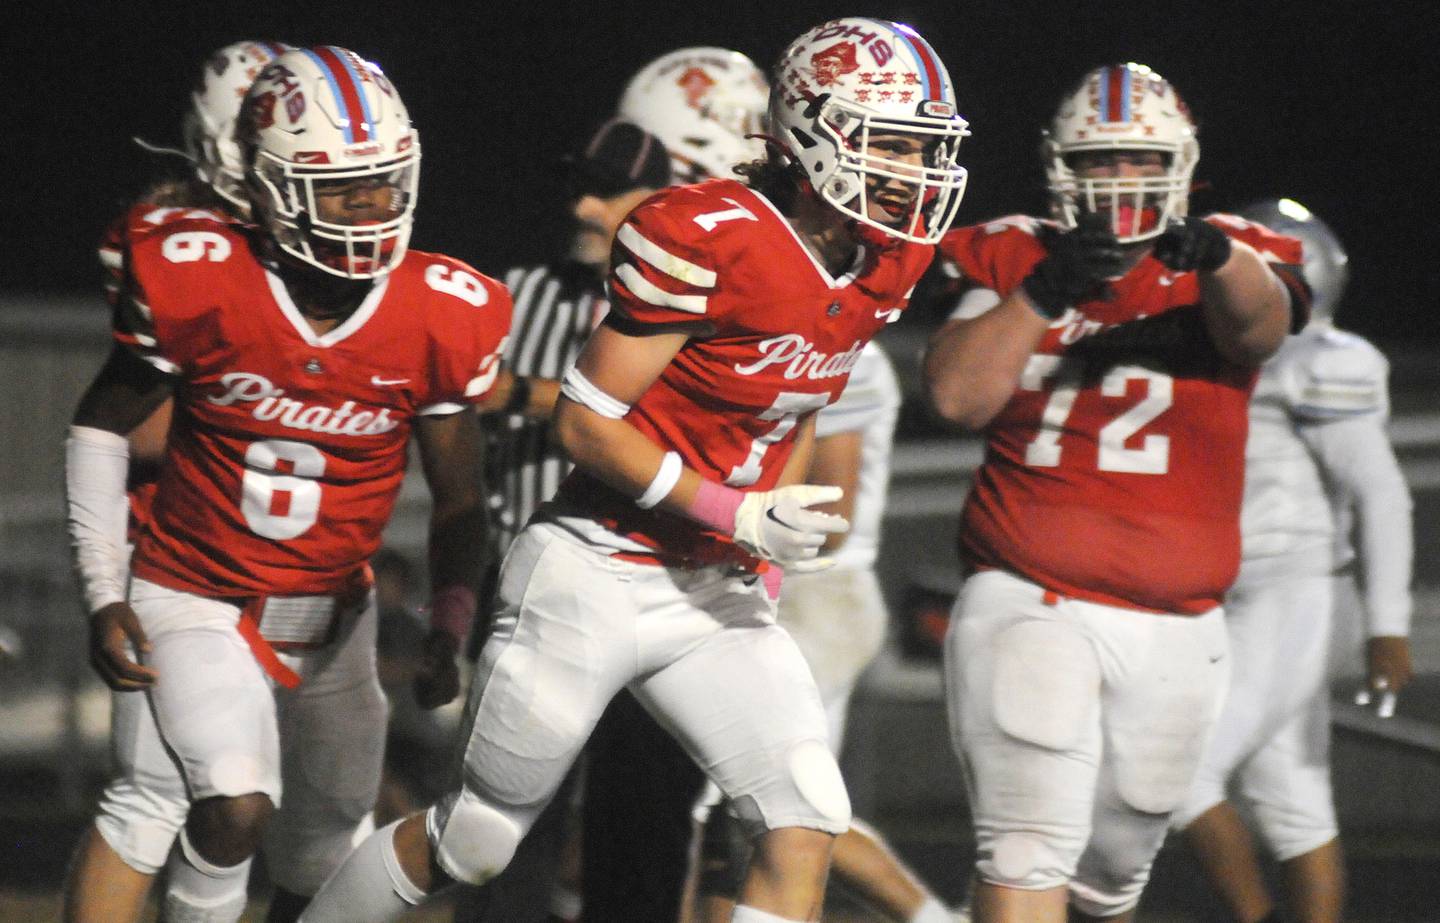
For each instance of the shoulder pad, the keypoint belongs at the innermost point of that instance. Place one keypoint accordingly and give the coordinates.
(453, 282)
(1274, 247)
(996, 254)
(1338, 374)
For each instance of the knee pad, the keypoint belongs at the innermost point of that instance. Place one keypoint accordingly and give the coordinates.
(473, 841)
(140, 824)
(807, 791)
(1023, 861)
(1046, 687)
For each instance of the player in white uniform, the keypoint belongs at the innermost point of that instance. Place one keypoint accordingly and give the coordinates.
(838, 618)
(1317, 453)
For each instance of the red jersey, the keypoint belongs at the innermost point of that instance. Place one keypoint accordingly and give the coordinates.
(114, 253)
(288, 447)
(138, 218)
(1114, 474)
(773, 337)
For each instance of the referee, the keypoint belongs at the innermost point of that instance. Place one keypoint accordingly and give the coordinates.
(556, 306)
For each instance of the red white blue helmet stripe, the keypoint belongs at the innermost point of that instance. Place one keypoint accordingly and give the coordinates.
(1115, 94)
(932, 72)
(348, 89)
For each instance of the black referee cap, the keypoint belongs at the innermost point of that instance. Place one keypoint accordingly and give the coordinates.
(621, 156)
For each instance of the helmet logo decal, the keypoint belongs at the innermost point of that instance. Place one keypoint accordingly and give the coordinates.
(830, 64)
(262, 111)
(695, 84)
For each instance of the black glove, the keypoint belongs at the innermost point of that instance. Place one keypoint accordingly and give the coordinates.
(1079, 260)
(1192, 243)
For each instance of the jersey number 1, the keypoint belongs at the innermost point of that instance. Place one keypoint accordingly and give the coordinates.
(787, 409)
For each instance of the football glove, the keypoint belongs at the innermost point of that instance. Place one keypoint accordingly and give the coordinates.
(1192, 244)
(1079, 261)
(779, 526)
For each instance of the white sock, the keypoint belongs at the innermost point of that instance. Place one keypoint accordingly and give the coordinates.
(745, 914)
(932, 911)
(198, 891)
(370, 887)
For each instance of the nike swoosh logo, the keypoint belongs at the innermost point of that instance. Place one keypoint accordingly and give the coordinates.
(890, 316)
(770, 515)
(379, 382)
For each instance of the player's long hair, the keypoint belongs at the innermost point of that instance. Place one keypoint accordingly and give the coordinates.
(185, 192)
(773, 176)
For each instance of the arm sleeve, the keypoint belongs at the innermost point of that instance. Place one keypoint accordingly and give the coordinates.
(96, 462)
(1363, 471)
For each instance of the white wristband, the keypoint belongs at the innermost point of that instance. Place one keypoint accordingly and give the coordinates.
(665, 480)
(580, 390)
(96, 464)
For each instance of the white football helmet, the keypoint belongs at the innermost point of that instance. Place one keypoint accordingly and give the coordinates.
(1123, 107)
(1326, 266)
(321, 119)
(209, 126)
(850, 80)
(702, 103)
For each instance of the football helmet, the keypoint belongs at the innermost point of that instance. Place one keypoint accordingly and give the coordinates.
(851, 80)
(702, 103)
(1122, 107)
(1326, 266)
(323, 123)
(209, 126)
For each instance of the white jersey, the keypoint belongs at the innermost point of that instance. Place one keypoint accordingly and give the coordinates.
(870, 402)
(1317, 453)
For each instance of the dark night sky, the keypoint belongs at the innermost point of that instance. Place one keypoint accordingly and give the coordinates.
(1334, 104)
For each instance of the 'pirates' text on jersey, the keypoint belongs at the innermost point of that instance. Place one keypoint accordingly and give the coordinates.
(288, 446)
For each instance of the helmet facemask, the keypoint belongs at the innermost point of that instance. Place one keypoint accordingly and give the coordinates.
(291, 212)
(847, 172)
(1140, 207)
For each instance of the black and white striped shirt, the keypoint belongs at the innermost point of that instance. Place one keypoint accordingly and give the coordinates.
(556, 307)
